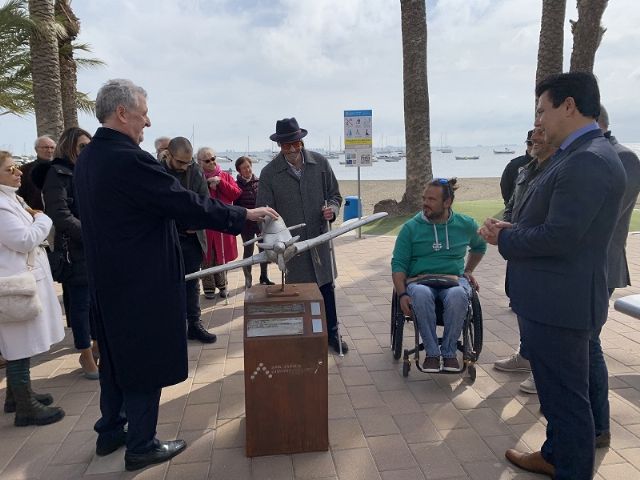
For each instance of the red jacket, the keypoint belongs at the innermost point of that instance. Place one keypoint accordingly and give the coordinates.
(223, 246)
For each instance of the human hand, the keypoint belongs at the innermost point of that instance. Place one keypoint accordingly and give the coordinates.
(260, 213)
(491, 229)
(33, 212)
(405, 305)
(213, 181)
(472, 281)
(327, 213)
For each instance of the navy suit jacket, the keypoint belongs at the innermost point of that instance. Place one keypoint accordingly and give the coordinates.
(557, 250)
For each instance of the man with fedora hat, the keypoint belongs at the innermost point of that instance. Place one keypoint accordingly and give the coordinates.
(302, 187)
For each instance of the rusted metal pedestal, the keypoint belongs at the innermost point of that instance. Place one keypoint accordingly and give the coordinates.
(285, 371)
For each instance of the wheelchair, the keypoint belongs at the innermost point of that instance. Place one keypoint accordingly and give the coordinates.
(470, 344)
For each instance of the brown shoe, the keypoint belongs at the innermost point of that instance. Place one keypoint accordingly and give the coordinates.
(450, 365)
(431, 365)
(532, 462)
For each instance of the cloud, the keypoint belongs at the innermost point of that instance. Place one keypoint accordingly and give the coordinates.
(228, 69)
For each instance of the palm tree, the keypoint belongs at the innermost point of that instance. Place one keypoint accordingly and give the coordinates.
(68, 68)
(16, 95)
(551, 43)
(416, 102)
(587, 34)
(45, 69)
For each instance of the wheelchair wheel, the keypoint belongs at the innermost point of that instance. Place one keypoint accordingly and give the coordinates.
(397, 327)
(476, 327)
(406, 366)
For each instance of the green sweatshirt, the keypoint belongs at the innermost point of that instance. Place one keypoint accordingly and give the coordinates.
(416, 251)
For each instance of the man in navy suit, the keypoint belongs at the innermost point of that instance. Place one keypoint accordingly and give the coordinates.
(557, 257)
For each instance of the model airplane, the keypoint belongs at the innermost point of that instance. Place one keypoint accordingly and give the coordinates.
(279, 246)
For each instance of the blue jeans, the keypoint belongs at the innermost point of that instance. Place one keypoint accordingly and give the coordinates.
(79, 315)
(456, 304)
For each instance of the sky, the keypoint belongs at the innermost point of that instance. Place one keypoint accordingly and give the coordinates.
(223, 71)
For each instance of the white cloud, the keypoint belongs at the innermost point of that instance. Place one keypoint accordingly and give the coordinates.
(228, 69)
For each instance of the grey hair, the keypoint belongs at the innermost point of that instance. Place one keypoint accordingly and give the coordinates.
(42, 137)
(117, 92)
(203, 150)
(159, 140)
(603, 118)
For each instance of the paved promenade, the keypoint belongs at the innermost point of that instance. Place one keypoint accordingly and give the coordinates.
(381, 425)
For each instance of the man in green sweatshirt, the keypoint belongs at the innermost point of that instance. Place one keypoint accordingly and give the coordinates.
(435, 241)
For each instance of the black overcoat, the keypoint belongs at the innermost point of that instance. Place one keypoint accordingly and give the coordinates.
(128, 204)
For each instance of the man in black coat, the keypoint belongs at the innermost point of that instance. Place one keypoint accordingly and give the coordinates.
(557, 265)
(510, 173)
(617, 277)
(129, 205)
(45, 147)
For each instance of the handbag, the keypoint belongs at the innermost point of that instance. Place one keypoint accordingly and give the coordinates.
(435, 280)
(19, 301)
(60, 262)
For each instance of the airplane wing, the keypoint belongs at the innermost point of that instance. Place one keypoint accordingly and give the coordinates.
(245, 262)
(312, 242)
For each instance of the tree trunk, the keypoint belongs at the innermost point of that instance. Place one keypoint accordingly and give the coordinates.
(45, 69)
(587, 34)
(551, 41)
(416, 102)
(68, 69)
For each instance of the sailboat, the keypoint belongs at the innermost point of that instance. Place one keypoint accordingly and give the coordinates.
(443, 147)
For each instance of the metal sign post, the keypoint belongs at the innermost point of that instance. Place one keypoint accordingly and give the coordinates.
(358, 145)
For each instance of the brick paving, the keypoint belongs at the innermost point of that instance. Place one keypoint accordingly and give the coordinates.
(381, 425)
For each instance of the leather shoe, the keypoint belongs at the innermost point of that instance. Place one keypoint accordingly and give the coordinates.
(532, 462)
(333, 343)
(109, 443)
(161, 452)
(266, 281)
(196, 331)
(603, 440)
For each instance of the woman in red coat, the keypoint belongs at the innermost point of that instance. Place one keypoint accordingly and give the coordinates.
(221, 247)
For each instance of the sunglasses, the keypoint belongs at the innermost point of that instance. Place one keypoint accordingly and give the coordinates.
(209, 160)
(296, 145)
(13, 169)
(442, 181)
(529, 143)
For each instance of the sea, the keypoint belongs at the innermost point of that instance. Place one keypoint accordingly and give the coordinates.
(489, 164)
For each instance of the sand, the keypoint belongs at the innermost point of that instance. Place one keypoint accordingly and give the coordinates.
(372, 191)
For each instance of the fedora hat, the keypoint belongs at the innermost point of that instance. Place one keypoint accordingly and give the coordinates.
(288, 130)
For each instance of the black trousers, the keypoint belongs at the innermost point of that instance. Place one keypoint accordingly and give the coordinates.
(192, 257)
(329, 295)
(118, 406)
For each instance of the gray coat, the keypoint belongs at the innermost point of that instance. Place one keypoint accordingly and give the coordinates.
(618, 273)
(301, 201)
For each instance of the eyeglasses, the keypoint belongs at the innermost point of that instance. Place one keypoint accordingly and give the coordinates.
(287, 145)
(209, 160)
(529, 143)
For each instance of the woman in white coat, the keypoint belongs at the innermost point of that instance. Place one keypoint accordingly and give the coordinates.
(21, 235)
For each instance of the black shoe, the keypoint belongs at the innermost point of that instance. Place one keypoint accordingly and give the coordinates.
(10, 402)
(224, 293)
(161, 452)
(603, 440)
(333, 343)
(196, 331)
(266, 281)
(109, 443)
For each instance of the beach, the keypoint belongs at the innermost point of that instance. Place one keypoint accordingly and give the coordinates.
(372, 191)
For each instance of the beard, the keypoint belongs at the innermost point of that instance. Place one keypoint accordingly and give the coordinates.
(292, 157)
